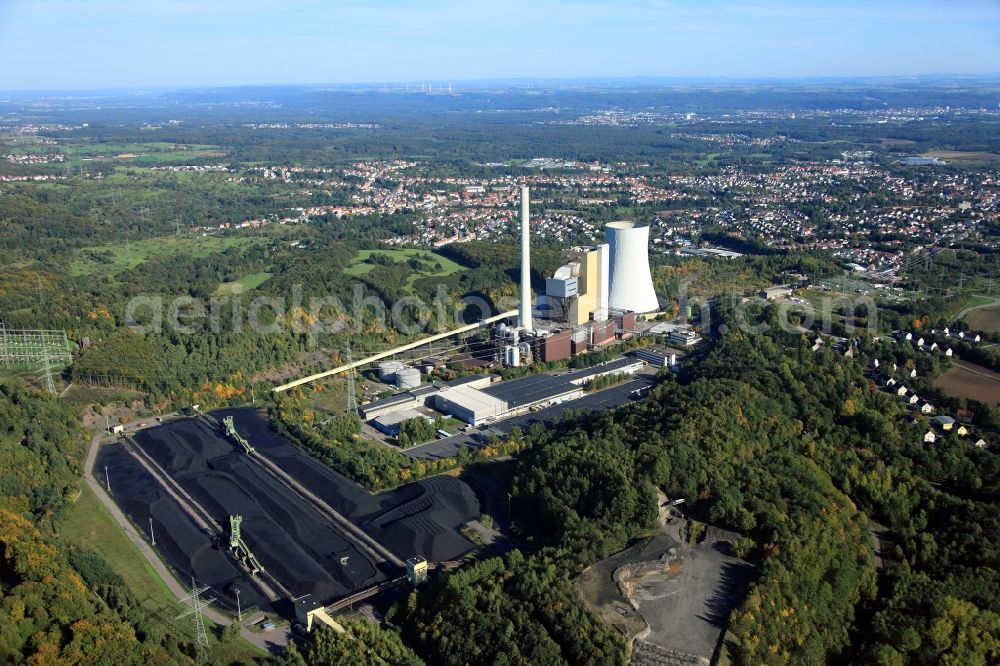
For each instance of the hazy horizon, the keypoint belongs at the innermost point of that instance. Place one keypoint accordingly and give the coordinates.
(58, 45)
(480, 85)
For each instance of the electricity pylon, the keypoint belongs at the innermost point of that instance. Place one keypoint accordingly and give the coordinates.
(196, 605)
(47, 372)
(352, 398)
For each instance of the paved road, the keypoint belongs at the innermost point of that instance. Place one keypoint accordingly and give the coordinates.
(271, 641)
(966, 311)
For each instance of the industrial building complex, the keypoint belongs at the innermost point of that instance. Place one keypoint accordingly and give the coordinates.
(296, 530)
(592, 299)
(483, 398)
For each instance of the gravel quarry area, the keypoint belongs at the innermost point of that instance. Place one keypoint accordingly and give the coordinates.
(299, 546)
(673, 599)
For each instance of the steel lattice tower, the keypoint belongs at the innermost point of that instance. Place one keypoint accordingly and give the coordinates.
(352, 398)
(197, 604)
(47, 372)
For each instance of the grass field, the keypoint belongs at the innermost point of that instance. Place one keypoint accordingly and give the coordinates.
(153, 152)
(976, 301)
(81, 395)
(114, 259)
(90, 526)
(964, 155)
(971, 381)
(451, 424)
(243, 285)
(986, 320)
(360, 264)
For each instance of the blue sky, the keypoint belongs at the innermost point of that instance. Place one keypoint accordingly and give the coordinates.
(84, 44)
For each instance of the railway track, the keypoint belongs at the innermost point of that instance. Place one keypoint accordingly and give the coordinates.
(197, 513)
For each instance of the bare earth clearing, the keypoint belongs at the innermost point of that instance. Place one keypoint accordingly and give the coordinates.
(985, 319)
(671, 599)
(972, 155)
(971, 381)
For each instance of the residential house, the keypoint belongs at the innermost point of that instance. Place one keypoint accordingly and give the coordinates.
(946, 422)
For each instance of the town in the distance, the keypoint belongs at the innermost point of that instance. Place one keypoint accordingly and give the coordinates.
(605, 372)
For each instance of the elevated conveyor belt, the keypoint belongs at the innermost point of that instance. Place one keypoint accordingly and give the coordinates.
(395, 350)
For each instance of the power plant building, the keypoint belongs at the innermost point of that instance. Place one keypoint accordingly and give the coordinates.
(578, 292)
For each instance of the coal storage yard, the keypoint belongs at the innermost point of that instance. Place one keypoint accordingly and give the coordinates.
(421, 518)
(300, 547)
(183, 545)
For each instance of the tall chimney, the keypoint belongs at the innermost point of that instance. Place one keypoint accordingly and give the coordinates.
(525, 316)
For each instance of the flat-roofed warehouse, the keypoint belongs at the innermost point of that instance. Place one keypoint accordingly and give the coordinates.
(417, 397)
(397, 403)
(660, 357)
(478, 398)
(392, 422)
(470, 404)
(475, 405)
(534, 389)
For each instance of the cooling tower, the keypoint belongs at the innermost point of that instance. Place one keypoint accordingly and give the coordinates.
(631, 283)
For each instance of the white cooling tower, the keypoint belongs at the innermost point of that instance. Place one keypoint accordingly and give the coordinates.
(631, 283)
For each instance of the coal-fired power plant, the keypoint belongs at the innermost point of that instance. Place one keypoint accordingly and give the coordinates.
(631, 283)
(590, 300)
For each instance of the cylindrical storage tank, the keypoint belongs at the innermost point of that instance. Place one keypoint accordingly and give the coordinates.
(631, 282)
(407, 378)
(387, 370)
(512, 356)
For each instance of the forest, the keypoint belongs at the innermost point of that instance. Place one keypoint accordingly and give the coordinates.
(60, 604)
(795, 449)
